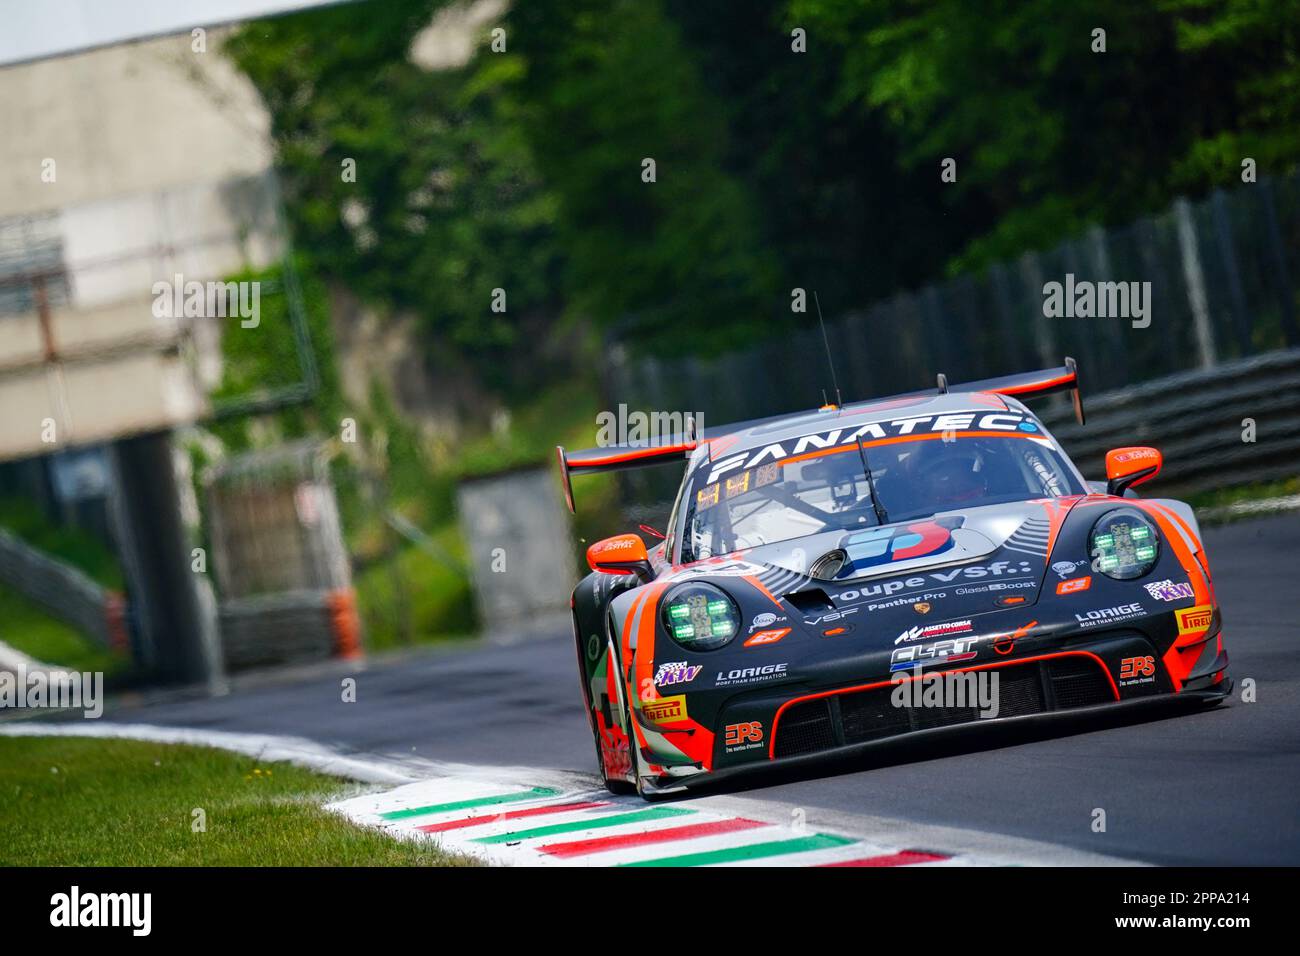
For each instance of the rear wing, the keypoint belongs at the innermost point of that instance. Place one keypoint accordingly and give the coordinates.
(620, 457)
(679, 447)
(1028, 385)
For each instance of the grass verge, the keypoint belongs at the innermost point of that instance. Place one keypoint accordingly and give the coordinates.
(27, 627)
(1217, 507)
(67, 801)
(71, 545)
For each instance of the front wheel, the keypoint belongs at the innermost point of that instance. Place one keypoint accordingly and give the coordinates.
(616, 784)
(613, 784)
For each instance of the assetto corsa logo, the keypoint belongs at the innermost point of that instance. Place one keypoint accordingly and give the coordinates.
(947, 629)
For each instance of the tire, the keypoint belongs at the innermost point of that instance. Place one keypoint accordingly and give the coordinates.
(620, 787)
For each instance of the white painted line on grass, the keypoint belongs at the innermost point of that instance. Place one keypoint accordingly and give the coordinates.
(559, 819)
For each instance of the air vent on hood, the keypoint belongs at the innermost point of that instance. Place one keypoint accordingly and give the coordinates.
(810, 600)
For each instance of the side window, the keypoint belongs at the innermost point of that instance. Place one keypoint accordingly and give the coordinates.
(670, 543)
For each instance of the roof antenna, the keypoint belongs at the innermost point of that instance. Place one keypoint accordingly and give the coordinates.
(839, 402)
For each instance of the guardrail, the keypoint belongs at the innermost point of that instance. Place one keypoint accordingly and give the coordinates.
(1198, 421)
(64, 591)
(289, 627)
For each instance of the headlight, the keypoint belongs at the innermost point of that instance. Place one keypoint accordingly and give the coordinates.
(701, 617)
(1124, 544)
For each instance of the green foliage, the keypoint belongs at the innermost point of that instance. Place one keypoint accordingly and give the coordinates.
(1245, 57)
(1049, 135)
(78, 548)
(606, 85)
(260, 361)
(446, 205)
(522, 171)
(412, 595)
(131, 802)
(31, 629)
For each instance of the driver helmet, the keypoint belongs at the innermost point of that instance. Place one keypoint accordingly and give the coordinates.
(948, 472)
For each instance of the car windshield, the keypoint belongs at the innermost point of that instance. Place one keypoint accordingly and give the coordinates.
(828, 490)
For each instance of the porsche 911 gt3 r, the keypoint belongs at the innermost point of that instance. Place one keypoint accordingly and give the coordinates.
(816, 563)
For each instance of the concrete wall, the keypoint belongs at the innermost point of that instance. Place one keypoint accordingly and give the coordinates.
(127, 119)
(161, 168)
(520, 549)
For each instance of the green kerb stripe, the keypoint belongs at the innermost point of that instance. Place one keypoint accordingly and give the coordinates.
(591, 823)
(532, 794)
(819, 841)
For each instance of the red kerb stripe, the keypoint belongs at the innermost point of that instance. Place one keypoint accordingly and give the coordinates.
(509, 815)
(600, 844)
(905, 858)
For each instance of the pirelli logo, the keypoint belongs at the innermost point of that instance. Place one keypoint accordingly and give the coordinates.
(665, 710)
(1194, 619)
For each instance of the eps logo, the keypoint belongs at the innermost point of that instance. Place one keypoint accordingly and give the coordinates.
(1134, 667)
(749, 733)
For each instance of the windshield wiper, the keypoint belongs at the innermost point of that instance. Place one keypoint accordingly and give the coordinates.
(882, 516)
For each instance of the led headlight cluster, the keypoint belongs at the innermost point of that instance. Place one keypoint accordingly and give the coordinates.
(700, 617)
(1124, 544)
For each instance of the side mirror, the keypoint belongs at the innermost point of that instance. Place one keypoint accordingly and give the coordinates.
(1126, 467)
(621, 554)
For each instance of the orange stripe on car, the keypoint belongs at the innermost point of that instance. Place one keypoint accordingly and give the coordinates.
(760, 586)
(1180, 659)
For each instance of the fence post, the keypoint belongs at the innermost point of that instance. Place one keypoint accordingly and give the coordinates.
(1005, 318)
(1032, 273)
(1117, 355)
(1241, 319)
(1277, 259)
(936, 338)
(1195, 279)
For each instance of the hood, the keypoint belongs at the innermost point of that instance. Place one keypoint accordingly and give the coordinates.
(953, 565)
(951, 537)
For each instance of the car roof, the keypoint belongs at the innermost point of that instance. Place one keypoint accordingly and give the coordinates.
(786, 427)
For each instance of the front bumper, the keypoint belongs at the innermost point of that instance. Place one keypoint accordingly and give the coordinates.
(1079, 675)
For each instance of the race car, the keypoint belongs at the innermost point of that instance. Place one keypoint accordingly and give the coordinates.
(838, 578)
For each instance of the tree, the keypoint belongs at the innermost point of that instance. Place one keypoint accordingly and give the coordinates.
(415, 189)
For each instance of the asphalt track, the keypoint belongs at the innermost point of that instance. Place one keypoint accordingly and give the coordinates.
(1205, 787)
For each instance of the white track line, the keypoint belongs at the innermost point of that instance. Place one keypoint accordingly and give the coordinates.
(434, 785)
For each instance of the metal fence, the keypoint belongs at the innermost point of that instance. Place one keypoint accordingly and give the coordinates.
(1223, 287)
(1236, 423)
(282, 570)
(63, 591)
